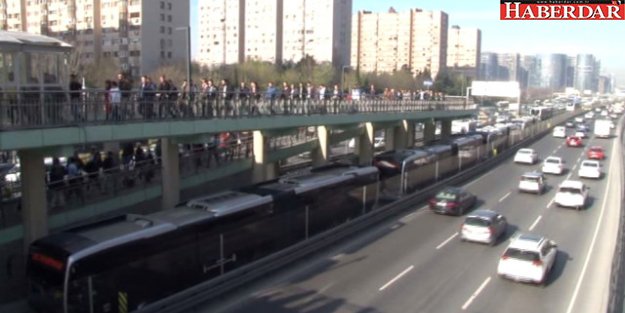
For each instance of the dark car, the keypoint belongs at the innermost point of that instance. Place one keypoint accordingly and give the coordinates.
(452, 200)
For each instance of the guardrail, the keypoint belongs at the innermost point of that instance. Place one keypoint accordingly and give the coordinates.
(47, 109)
(194, 296)
(616, 300)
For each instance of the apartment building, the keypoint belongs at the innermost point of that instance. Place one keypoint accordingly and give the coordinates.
(141, 35)
(276, 31)
(385, 42)
(464, 49)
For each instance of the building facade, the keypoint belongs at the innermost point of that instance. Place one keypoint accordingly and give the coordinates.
(489, 66)
(141, 35)
(553, 71)
(391, 41)
(275, 31)
(464, 49)
(587, 73)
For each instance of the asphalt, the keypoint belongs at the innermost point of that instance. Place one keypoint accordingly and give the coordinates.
(417, 263)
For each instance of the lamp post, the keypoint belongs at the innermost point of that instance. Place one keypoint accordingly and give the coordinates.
(343, 75)
(188, 30)
(466, 100)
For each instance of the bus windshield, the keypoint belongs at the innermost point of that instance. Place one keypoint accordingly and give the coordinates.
(46, 275)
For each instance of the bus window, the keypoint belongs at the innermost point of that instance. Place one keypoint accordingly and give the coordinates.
(46, 274)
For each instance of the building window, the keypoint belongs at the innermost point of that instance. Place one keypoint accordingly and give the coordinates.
(169, 30)
(162, 5)
(162, 17)
(162, 54)
(135, 15)
(169, 18)
(162, 29)
(169, 55)
(169, 6)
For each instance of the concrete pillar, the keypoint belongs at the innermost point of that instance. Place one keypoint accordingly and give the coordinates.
(34, 199)
(445, 129)
(429, 132)
(364, 145)
(321, 155)
(262, 170)
(171, 173)
(409, 128)
(389, 138)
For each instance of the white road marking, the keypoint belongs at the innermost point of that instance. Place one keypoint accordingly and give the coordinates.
(446, 241)
(504, 197)
(594, 237)
(551, 202)
(397, 277)
(535, 222)
(396, 226)
(475, 294)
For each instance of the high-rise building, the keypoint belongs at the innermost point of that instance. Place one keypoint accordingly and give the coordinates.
(141, 34)
(587, 72)
(274, 30)
(531, 71)
(489, 66)
(464, 49)
(509, 66)
(414, 40)
(552, 71)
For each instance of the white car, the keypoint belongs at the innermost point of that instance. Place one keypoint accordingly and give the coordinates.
(589, 115)
(532, 182)
(589, 169)
(571, 194)
(580, 134)
(526, 155)
(553, 165)
(559, 132)
(528, 258)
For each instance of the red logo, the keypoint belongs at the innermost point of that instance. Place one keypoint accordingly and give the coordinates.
(562, 10)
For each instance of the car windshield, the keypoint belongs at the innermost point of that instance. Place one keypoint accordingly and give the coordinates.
(446, 195)
(476, 221)
(525, 151)
(570, 190)
(595, 149)
(523, 255)
(552, 161)
(590, 164)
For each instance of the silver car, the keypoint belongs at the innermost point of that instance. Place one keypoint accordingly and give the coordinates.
(484, 226)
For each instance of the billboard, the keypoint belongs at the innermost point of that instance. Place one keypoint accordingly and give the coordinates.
(496, 89)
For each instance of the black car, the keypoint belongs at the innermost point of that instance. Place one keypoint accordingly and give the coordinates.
(452, 200)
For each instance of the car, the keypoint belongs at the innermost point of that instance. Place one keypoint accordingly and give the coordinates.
(483, 226)
(604, 113)
(596, 153)
(532, 182)
(528, 258)
(553, 165)
(569, 124)
(526, 155)
(559, 132)
(589, 115)
(571, 194)
(589, 169)
(581, 133)
(579, 119)
(574, 141)
(453, 201)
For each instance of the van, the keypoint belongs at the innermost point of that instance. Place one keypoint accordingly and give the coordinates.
(559, 132)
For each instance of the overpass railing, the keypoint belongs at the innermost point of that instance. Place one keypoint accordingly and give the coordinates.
(47, 109)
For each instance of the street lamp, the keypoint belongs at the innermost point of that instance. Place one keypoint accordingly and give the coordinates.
(188, 30)
(343, 75)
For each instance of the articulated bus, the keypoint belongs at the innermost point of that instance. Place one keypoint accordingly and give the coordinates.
(123, 264)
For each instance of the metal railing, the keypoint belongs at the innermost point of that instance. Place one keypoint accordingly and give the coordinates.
(47, 109)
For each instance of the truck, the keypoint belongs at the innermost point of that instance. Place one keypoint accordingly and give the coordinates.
(603, 128)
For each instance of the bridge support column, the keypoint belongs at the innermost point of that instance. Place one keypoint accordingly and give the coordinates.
(445, 129)
(409, 127)
(321, 155)
(34, 199)
(364, 145)
(389, 138)
(171, 173)
(262, 170)
(429, 132)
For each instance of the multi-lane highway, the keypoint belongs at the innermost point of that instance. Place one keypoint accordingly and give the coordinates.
(417, 263)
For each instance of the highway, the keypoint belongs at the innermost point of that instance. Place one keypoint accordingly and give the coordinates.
(417, 263)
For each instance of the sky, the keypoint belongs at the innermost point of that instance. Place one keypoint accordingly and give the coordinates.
(604, 39)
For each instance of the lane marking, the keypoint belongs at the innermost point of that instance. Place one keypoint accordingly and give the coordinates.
(535, 222)
(397, 277)
(551, 202)
(447, 241)
(504, 197)
(337, 257)
(396, 226)
(594, 237)
(475, 294)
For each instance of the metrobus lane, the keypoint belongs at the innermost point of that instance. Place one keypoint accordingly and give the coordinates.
(369, 270)
(575, 233)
